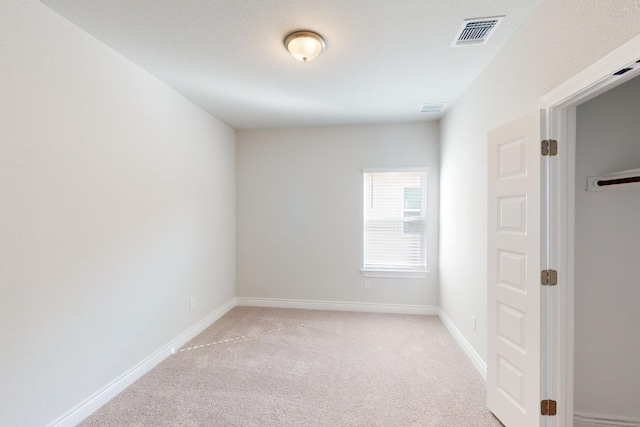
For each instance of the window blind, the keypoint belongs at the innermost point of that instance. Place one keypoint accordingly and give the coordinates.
(395, 205)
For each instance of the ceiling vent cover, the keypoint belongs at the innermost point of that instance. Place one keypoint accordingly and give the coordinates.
(476, 31)
(436, 107)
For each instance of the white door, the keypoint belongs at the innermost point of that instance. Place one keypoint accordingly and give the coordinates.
(514, 261)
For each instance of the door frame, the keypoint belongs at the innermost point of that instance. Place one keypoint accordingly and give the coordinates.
(559, 111)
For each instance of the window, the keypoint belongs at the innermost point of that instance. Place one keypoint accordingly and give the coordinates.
(395, 205)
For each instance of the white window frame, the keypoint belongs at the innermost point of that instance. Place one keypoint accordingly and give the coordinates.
(394, 272)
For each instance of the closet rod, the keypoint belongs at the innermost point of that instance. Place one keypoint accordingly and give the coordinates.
(614, 180)
(629, 180)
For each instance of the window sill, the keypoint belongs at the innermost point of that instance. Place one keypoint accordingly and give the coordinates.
(396, 274)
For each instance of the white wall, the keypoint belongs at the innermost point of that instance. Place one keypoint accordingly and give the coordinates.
(607, 291)
(300, 201)
(116, 205)
(560, 38)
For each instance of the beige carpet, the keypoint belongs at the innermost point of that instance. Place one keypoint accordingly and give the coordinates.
(282, 367)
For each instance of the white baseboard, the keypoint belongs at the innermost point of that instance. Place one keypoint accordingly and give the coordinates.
(338, 306)
(583, 419)
(93, 403)
(475, 358)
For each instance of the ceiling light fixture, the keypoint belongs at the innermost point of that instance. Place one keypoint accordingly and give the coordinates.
(304, 45)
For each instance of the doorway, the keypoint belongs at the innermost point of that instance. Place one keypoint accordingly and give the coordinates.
(583, 319)
(607, 243)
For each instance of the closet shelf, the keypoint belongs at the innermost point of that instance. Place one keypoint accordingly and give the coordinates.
(623, 180)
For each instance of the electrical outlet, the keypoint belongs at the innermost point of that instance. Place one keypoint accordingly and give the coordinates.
(192, 303)
(367, 284)
(473, 322)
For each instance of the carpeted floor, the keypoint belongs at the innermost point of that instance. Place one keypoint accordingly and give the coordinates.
(283, 367)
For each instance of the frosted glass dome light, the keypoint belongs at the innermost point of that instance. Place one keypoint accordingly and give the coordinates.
(304, 45)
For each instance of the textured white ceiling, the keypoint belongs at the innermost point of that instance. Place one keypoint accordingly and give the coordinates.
(383, 59)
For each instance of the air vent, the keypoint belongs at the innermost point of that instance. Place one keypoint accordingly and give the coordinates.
(436, 107)
(623, 71)
(476, 31)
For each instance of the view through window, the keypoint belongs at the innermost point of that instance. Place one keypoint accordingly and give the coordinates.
(395, 205)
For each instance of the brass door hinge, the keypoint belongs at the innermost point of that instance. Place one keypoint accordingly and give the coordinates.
(548, 407)
(549, 147)
(549, 277)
